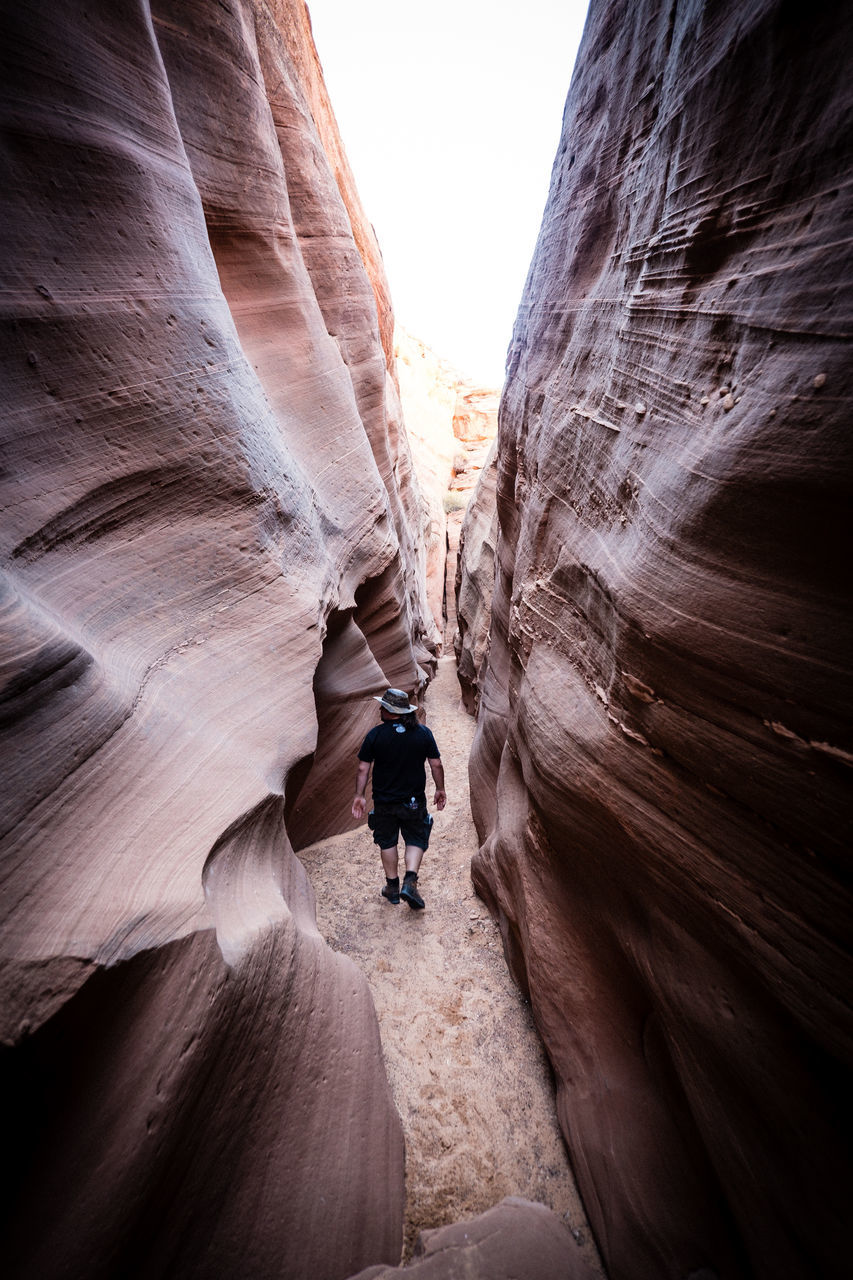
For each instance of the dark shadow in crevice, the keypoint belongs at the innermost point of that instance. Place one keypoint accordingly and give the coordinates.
(320, 788)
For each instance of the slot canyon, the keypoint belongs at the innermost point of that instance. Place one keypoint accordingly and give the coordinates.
(239, 502)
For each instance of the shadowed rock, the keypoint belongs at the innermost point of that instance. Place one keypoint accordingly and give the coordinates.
(661, 776)
(515, 1238)
(475, 583)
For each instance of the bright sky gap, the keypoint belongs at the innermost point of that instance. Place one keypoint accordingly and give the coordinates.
(450, 114)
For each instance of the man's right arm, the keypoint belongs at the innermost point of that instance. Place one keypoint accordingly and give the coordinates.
(437, 771)
(359, 803)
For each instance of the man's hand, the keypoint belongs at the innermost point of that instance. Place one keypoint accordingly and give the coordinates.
(440, 799)
(359, 805)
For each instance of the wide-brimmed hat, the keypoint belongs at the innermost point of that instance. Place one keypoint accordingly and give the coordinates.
(395, 701)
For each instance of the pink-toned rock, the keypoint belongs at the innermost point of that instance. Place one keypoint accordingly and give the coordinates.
(474, 584)
(516, 1240)
(451, 424)
(209, 565)
(475, 425)
(661, 775)
(428, 395)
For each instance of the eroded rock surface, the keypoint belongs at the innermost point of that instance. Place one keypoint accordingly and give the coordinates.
(661, 775)
(516, 1238)
(451, 423)
(474, 584)
(210, 562)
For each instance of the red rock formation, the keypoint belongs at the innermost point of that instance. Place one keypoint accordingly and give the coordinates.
(428, 393)
(475, 425)
(475, 583)
(451, 424)
(208, 567)
(662, 768)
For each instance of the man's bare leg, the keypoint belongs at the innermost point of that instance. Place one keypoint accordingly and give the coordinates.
(391, 890)
(413, 858)
(389, 861)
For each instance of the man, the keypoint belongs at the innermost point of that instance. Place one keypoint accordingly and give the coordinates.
(397, 749)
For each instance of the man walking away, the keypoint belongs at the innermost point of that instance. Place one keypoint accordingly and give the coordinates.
(397, 748)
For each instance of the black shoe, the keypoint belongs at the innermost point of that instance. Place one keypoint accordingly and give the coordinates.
(409, 893)
(392, 894)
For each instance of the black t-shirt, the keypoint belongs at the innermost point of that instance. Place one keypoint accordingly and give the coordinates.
(398, 756)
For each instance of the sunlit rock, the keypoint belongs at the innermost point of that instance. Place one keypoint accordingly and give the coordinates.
(661, 775)
(451, 423)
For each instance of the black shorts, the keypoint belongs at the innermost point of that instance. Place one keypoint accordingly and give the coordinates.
(389, 822)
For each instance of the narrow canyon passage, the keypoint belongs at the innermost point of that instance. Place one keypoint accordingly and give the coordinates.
(466, 1066)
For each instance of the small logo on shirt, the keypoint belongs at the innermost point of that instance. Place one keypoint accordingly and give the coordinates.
(399, 728)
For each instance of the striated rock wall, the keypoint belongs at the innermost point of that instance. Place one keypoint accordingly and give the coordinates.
(661, 774)
(428, 393)
(210, 562)
(475, 425)
(451, 424)
(474, 584)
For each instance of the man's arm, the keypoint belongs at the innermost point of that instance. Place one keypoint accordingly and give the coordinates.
(437, 771)
(359, 804)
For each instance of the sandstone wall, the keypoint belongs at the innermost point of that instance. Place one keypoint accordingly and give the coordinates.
(428, 393)
(475, 583)
(210, 562)
(661, 773)
(450, 423)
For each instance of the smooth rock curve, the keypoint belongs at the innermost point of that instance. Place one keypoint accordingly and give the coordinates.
(211, 560)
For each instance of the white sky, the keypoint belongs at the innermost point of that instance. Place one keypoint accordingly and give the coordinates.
(450, 113)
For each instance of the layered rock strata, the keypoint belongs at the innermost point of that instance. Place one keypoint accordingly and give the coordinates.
(211, 560)
(451, 423)
(475, 425)
(661, 772)
(474, 584)
(428, 393)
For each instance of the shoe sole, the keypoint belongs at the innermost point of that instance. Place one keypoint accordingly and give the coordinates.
(416, 905)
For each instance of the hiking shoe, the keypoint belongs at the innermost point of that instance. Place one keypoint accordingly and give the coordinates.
(393, 895)
(409, 893)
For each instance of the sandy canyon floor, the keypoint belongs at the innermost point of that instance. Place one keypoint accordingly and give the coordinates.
(468, 1072)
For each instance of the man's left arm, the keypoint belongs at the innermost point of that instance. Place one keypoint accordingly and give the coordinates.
(437, 770)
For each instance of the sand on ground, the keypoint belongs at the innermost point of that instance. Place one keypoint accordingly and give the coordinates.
(467, 1069)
